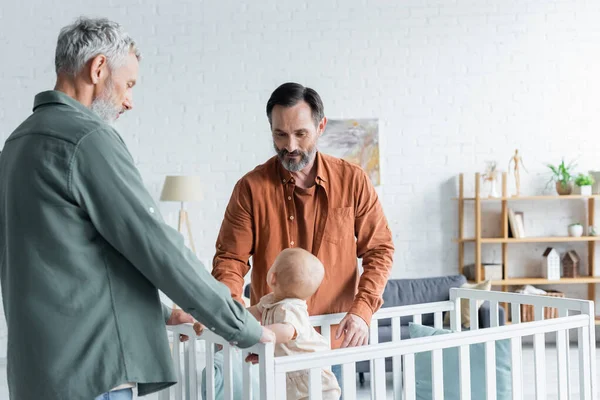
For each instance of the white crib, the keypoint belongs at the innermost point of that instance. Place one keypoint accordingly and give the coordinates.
(573, 315)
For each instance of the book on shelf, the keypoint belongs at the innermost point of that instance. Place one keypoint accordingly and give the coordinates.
(516, 224)
(520, 221)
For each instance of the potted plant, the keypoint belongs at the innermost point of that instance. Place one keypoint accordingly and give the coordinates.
(561, 175)
(584, 182)
(576, 229)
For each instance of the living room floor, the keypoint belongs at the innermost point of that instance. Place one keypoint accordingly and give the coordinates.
(364, 392)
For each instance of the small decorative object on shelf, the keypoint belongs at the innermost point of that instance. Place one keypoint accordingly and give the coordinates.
(576, 229)
(491, 272)
(571, 264)
(518, 162)
(551, 264)
(562, 177)
(584, 182)
(592, 231)
(490, 176)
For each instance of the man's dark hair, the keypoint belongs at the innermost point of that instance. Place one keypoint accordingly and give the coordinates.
(289, 94)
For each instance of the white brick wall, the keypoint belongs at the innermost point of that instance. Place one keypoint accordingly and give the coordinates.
(454, 83)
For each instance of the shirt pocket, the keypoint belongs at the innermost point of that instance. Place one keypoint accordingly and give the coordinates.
(340, 225)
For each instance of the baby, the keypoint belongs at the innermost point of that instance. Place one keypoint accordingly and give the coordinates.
(294, 277)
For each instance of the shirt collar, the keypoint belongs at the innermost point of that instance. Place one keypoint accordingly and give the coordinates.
(58, 97)
(286, 177)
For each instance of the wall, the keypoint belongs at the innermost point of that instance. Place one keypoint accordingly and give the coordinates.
(454, 84)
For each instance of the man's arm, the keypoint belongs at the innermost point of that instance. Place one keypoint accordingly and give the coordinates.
(374, 245)
(235, 242)
(106, 185)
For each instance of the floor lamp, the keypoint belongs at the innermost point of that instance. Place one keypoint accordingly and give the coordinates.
(182, 189)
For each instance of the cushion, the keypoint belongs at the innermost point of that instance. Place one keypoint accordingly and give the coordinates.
(451, 367)
(465, 308)
(403, 292)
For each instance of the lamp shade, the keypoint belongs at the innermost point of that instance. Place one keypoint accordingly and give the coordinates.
(181, 188)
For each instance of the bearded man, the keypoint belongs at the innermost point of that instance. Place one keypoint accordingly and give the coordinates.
(303, 198)
(83, 248)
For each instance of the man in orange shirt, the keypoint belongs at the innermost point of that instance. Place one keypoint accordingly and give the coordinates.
(303, 198)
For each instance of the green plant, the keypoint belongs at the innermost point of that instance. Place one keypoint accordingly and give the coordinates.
(584, 180)
(561, 173)
(575, 224)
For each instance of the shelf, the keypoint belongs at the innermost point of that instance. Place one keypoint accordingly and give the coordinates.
(541, 197)
(533, 239)
(544, 281)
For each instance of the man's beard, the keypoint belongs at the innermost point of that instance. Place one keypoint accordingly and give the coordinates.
(294, 166)
(104, 105)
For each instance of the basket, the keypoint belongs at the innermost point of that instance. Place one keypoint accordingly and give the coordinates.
(527, 314)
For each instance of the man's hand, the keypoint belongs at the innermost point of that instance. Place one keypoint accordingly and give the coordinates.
(355, 330)
(267, 336)
(178, 317)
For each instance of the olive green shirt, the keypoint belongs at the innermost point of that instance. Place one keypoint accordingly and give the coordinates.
(83, 252)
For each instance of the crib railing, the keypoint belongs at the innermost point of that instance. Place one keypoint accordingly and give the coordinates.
(272, 371)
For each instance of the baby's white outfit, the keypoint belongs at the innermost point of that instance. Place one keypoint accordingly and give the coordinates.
(308, 340)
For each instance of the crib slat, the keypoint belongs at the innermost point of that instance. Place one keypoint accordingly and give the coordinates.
(177, 361)
(315, 390)
(410, 392)
(438, 320)
(474, 314)
(326, 332)
(280, 388)
(349, 381)
(464, 368)
(437, 374)
(562, 355)
(564, 312)
(490, 370)
(191, 366)
(538, 313)
(396, 360)
(583, 342)
(210, 370)
(516, 363)
(418, 319)
(228, 354)
(266, 368)
(375, 365)
(515, 313)
(246, 377)
(494, 317)
(539, 354)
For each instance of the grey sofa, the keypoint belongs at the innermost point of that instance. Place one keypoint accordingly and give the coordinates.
(402, 292)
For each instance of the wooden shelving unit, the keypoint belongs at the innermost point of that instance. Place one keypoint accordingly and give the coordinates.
(504, 240)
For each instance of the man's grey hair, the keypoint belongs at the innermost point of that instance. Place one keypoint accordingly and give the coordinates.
(87, 38)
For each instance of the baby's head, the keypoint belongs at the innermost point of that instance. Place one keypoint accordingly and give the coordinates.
(296, 273)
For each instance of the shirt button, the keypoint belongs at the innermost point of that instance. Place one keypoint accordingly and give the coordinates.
(219, 245)
(234, 343)
(291, 217)
(292, 180)
(284, 181)
(289, 197)
(292, 243)
(151, 209)
(212, 329)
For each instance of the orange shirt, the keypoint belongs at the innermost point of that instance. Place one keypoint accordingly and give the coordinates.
(346, 221)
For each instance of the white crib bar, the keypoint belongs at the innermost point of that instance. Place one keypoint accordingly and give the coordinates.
(589, 310)
(438, 320)
(584, 363)
(473, 311)
(539, 355)
(397, 360)
(246, 377)
(191, 381)
(490, 370)
(562, 356)
(349, 381)
(177, 361)
(464, 370)
(418, 319)
(564, 312)
(228, 353)
(210, 372)
(267, 372)
(280, 383)
(315, 387)
(437, 375)
(494, 317)
(378, 365)
(516, 355)
(410, 391)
